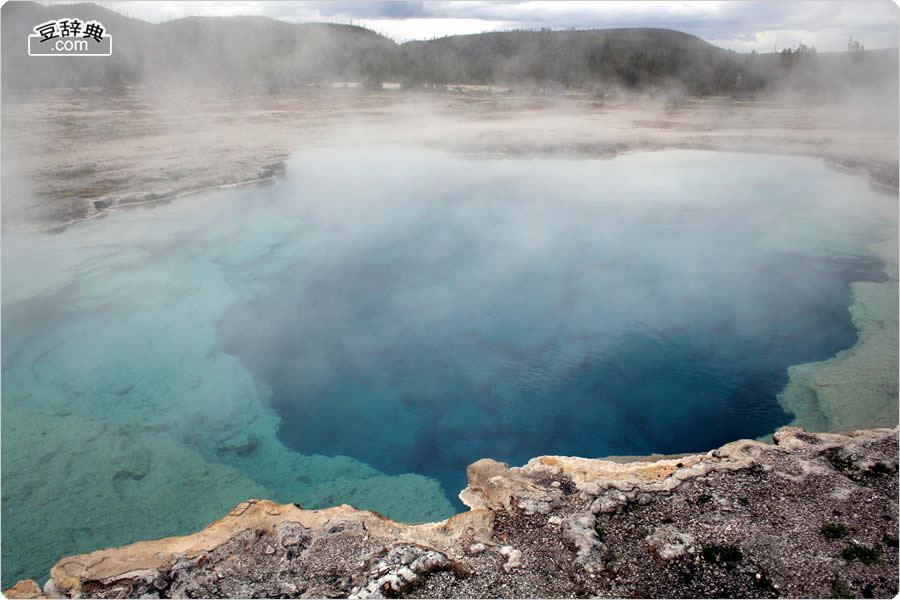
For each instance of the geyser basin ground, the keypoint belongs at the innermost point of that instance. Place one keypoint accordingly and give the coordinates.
(364, 328)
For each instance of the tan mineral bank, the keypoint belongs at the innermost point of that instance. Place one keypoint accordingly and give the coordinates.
(814, 515)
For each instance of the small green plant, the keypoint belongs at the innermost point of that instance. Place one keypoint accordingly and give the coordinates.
(743, 501)
(703, 498)
(839, 462)
(879, 469)
(889, 540)
(722, 553)
(839, 589)
(866, 556)
(762, 583)
(833, 531)
(600, 532)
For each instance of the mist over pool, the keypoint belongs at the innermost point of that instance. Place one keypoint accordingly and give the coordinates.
(364, 328)
(516, 309)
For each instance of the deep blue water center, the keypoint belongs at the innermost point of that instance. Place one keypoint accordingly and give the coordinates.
(512, 313)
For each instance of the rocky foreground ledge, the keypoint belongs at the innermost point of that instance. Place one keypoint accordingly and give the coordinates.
(815, 515)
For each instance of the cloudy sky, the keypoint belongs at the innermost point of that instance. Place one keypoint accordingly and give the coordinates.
(739, 25)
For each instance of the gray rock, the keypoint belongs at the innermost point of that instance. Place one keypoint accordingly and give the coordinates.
(290, 533)
(590, 490)
(513, 558)
(51, 591)
(668, 542)
(604, 504)
(579, 531)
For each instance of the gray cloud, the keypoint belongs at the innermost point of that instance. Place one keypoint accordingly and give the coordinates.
(743, 25)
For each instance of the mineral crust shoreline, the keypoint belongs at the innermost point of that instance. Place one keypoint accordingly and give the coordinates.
(814, 515)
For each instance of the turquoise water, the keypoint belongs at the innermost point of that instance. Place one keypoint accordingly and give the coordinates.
(364, 328)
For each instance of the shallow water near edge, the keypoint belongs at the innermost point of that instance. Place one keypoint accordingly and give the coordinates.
(363, 329)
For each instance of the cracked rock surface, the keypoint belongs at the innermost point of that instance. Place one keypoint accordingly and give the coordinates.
(815, 515)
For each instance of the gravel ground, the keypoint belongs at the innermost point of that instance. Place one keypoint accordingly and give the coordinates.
(815, 516)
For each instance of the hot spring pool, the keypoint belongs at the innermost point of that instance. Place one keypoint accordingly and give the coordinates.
(361, 330)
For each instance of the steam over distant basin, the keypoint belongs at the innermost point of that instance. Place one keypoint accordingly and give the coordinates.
(413, 311)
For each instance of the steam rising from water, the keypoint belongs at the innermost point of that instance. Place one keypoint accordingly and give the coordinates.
(414, 311)
(452, 310)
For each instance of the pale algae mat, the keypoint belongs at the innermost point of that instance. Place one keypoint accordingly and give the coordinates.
(362, 329)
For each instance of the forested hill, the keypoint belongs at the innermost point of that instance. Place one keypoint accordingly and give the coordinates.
(262, 55)
(631, 57)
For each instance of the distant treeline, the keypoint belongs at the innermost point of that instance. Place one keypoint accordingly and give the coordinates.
(261, 55)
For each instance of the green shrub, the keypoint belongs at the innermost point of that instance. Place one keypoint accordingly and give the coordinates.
(833, 531)
(839, 589)
(866, 556)
(722, 553)
(879, 469)
(764, 585)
